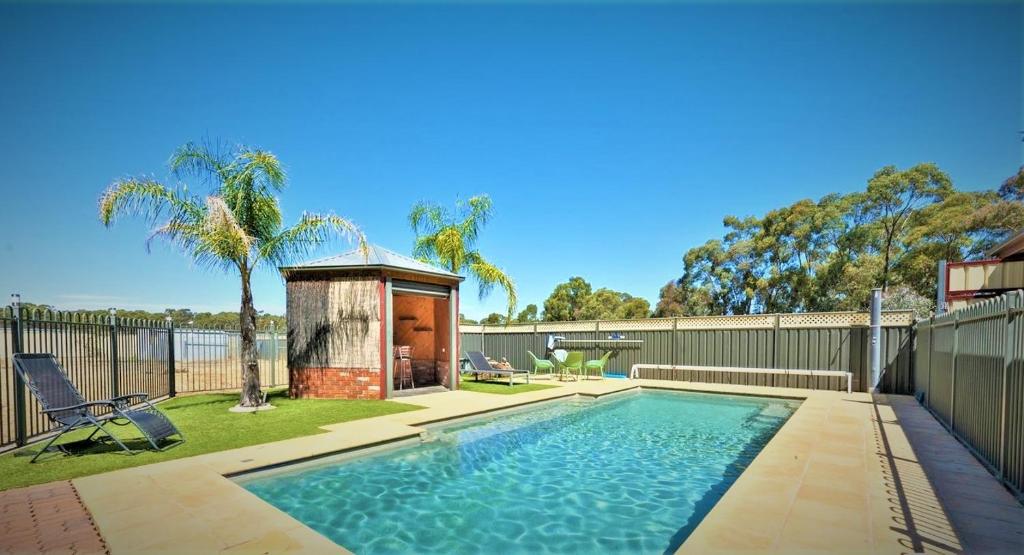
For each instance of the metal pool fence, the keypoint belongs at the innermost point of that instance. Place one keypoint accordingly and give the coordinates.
(969, 372)
(108, 356)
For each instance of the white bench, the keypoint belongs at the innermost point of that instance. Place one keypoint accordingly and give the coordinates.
(634, 371)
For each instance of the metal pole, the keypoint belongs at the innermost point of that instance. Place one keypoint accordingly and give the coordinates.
(113, 353)
(20, 408)
(931, 355)
(940, 292)
(172, 386)
(876, 338)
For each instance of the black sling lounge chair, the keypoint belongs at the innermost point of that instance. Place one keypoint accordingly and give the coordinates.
(480, 366)
(68, 410)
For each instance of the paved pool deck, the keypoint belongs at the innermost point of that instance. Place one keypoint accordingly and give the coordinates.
(840, 476)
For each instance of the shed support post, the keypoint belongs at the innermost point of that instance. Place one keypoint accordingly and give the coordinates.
(389, 337)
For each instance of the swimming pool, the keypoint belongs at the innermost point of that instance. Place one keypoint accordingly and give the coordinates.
(633, 473)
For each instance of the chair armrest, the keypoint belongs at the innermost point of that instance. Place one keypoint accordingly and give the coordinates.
(79, 406)
(144, 396)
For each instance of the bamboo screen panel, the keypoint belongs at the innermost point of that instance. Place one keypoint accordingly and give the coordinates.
(334, 323)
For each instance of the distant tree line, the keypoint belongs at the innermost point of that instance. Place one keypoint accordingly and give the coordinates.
(182, 317)
(828, 254)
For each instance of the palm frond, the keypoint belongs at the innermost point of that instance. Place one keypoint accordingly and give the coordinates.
(262, 168)
(311, 231)
(201, 161)
(488, 275)
(427, 217)
(146, 198)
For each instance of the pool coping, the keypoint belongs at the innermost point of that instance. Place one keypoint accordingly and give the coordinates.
(194, 504)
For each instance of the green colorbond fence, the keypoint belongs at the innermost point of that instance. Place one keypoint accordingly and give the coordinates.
(969, 371)
(823, 341)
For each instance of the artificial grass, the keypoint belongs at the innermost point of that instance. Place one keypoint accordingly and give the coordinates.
(499, 387)
(208, 427)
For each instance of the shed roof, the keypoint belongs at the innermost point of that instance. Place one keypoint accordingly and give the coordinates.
(1013, 245)
(377, 258)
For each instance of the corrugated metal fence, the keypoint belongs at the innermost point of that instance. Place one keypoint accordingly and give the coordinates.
(969, 371)
(108, 356)
(815, 341)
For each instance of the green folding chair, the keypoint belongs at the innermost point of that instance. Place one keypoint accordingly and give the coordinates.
(597, 365)
(541, 365)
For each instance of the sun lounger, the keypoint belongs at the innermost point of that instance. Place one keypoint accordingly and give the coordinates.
(480, 366)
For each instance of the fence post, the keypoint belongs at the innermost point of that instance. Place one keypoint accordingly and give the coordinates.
(775, 341)
(172, 386)
(931, 355)
(113, 353)
(676, 358)
(952, 381)
(273, 353)
(20, 408)
(1009, 339)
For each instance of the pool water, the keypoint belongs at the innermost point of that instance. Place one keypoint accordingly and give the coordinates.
(635, 473)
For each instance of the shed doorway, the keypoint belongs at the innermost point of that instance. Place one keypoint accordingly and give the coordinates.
(421, 338)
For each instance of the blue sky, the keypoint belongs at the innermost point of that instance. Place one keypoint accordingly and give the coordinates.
(612, 137)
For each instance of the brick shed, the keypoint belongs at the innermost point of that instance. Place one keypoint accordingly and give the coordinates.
(347, 314)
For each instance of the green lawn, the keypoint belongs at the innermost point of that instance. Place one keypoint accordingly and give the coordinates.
(208, 427)
(497, 386)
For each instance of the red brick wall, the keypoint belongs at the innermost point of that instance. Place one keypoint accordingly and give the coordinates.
(334, 383)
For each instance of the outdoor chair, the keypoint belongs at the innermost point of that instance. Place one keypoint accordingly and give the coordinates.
(573, 363)
(541, 365)
(403, 365)
(481, 366)
(65, 407)
(597, 365)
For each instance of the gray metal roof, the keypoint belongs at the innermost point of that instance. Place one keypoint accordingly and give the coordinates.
(377, 258)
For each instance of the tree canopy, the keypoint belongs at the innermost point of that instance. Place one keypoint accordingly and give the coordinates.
(828, 254)
(577, 300)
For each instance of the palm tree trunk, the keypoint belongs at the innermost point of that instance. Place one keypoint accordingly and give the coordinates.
(250, 360)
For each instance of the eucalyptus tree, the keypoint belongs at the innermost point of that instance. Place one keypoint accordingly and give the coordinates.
(448, 239)
(236, 227)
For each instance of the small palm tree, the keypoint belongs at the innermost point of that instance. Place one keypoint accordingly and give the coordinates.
(448, 240)
(235, 228)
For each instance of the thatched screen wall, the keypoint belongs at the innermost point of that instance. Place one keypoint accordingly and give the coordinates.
(334, 336)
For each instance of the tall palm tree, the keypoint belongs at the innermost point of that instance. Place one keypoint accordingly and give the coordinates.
(448, 240)
(235, 228)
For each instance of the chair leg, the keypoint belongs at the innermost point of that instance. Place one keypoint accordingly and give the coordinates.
(48, 444)
(118, 441)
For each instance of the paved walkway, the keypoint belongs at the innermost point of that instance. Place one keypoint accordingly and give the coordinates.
(986, 517)
(49, 518)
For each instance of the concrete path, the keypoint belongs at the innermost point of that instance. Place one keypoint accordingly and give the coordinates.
(986, 517)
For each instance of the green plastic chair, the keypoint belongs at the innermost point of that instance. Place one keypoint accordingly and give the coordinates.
(597, 365)
(541, 365)
(573, 362)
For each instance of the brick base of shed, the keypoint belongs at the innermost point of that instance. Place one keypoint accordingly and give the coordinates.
(334, 383)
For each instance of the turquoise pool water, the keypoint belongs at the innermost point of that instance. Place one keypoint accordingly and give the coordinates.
(632, 474)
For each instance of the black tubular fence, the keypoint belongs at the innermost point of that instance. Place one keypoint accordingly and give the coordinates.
(837, 341)
(110, 355)
(969, 372)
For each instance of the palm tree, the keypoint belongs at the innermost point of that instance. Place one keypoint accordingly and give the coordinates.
(448, 240)
(235, 228)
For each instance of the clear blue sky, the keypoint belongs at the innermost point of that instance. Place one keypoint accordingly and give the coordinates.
(612, 138)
